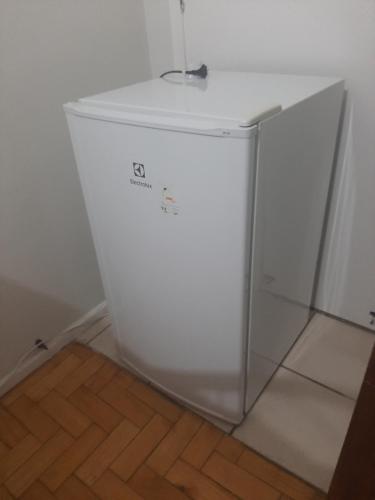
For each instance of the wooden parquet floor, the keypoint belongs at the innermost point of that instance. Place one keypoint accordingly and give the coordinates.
(82, 428)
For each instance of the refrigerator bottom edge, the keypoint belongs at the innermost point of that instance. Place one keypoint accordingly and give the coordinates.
(178, 397)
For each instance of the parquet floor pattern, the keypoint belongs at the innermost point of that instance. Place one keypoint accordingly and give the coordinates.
(82, 428)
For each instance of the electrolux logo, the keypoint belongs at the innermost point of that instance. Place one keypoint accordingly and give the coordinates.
(139, 171)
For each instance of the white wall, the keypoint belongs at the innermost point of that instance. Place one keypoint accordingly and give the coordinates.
(324, 37)
(52, 51)
(158, 28)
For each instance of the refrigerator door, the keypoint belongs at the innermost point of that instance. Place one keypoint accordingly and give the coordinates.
(171, 219)
(295, 158)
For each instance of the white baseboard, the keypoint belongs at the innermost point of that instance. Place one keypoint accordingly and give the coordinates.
(63, 338)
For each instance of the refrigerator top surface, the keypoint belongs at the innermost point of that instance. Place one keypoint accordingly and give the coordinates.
(240, 99)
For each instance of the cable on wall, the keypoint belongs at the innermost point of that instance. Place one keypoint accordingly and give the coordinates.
(40, 344)
(201, 72)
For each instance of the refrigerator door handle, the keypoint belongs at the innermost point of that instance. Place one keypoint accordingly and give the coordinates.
(217, 128)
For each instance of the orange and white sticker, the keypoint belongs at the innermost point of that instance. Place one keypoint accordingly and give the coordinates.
(168, 202)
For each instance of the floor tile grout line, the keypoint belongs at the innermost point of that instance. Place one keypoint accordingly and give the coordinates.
(311, 317)
(172, 424)
(53, 387)
(118, 477)
(132, 440)
(144, 461)
(200, 471)
(179, 456)
(58, 423)
(344, 321)
(235, 464)
(126, 389)
(7, 490)
(23, 392)
(146, 382)
(248, 472)
(88, 344)
(247, 447)
(6, 409)
(93, 422)
(162, 395)
(278, 466)
(36, 403)
(331, 389)
(60, 427)
(166, 396)
(33, 454)
(281, 365)
(109, 467)
(24, 380)
(80, 480)
(105, 385)
(236, 426)
(215, 448)
(210, 455)
(112, 461)
(83, 363)
(29, 431)
(77, 467)
(187, 444)
(125, 416)
(19, 466)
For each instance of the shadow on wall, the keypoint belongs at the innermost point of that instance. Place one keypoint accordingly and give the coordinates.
(25, 315)
(334, 271)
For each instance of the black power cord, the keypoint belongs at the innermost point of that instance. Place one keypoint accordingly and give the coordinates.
(202, 72)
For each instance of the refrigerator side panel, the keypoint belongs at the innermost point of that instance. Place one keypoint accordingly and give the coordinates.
(171, 223)
(295, 158)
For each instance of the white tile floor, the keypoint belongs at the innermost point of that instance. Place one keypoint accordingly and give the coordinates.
(299, 425)
(94, 330)
(301, 419)
(333, 353)
(105, 343)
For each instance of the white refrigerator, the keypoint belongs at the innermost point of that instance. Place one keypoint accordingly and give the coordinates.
(206, 201)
